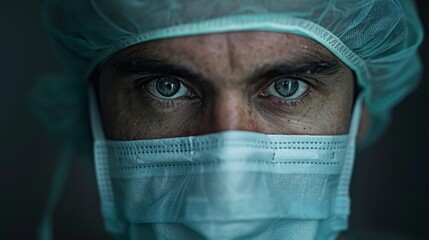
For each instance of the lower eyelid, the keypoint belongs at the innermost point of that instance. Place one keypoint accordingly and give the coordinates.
(163, 104)
(303, 99)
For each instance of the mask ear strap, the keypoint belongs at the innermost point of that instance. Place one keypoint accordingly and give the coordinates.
(342, 202)
(108, 208)
(96, 126)
(60, 173)
(355, 121)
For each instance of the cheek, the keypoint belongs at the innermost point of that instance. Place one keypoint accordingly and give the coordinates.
(141, 120)
(174, 122)
(320, 114)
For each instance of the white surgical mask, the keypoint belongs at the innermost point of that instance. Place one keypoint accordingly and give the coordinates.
(228, 185)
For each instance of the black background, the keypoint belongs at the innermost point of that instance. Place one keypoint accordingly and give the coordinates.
(390, 188)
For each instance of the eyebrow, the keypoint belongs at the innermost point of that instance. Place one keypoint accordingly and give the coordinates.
(306, 65)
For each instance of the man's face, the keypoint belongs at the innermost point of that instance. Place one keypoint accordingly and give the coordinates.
(274, 83)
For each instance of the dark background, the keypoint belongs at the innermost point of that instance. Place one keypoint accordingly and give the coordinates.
(390, 188)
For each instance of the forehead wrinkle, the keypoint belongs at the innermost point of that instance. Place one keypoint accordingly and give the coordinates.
(234, 60)
(235, 69)
(297, 60)
(298, 51)
(145, 54)
(202, 63)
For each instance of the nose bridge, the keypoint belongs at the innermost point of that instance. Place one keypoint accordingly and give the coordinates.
(230, 111)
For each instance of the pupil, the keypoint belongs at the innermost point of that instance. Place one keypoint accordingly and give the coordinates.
(167, 86)
(286, 87)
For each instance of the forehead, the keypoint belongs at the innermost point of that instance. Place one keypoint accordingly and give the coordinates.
(235, 51)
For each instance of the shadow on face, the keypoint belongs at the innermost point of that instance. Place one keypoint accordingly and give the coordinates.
(274, 83)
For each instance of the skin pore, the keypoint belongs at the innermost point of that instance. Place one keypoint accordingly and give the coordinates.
(227, 81)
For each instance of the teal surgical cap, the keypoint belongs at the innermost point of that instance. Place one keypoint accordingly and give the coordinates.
(377, 39)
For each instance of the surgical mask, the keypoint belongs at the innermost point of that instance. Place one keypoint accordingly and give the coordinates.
(227, 185)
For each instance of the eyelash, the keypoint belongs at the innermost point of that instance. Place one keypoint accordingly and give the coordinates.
(164, 103)
(168, 103)
(302, 100)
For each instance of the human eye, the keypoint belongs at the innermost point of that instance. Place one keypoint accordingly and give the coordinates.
(166, 87)
(287, 88)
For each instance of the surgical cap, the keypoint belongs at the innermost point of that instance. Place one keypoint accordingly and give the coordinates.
(377, 39)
